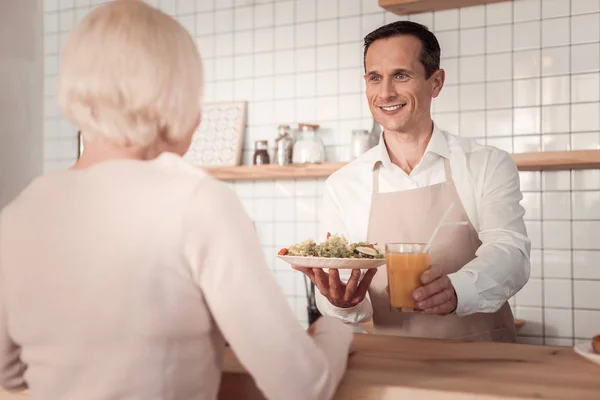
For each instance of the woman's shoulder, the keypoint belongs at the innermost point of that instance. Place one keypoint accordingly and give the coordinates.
(177, 164)
(168, 173)
(195, 176)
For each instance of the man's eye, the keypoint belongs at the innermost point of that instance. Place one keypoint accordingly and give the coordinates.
(400, 76)
(375, 79)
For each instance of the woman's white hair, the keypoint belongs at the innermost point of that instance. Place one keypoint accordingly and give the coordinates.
(130, 74)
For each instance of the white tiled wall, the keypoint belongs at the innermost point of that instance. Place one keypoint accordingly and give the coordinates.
(522, 75)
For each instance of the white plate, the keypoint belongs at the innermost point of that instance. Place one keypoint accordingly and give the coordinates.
(338, 263)
(585, 349)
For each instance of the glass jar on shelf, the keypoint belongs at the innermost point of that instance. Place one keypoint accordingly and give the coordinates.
(284, 144)
(360, 142)
(309, 148)
(261, 152)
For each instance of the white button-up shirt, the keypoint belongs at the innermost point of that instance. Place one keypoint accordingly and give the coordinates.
(487, 182)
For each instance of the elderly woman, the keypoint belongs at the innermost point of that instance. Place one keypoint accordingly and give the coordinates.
(123, 277)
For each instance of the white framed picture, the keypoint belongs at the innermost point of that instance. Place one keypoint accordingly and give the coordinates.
(219, 139)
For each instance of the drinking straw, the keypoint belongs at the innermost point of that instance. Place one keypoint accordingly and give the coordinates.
(437, 228)
(455, 223)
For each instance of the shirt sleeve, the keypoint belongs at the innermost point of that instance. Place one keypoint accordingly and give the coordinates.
(12, 369)
(249, 307)
(501, 267)
(331, 222)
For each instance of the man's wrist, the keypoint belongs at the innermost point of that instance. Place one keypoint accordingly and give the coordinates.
(456, 304)
(467, 296)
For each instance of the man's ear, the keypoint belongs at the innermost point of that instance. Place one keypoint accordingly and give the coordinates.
(437, 82)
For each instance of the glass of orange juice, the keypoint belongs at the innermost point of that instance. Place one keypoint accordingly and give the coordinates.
(405, 264)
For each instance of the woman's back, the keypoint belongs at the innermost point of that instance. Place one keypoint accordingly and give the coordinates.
(97, 287)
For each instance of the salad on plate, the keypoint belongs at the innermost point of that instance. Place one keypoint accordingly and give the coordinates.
(335, 252)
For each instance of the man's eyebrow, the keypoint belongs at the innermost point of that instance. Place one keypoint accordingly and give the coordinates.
(394, 72)
(401, 71)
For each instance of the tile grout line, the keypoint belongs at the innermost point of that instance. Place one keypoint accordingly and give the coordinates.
(542, 255)
(458, 69)
(512, 73)
(572, 172)
(485, 63)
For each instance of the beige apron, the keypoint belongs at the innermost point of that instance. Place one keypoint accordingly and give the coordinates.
(411, 216)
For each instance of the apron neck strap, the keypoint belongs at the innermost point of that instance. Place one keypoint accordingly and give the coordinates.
(447, 170)
(376, 176)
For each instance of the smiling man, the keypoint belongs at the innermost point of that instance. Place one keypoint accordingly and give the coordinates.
(400, 189)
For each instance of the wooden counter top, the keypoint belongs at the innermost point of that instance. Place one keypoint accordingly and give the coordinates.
(387, 367)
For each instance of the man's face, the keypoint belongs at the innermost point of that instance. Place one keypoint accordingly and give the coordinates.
(398, 92)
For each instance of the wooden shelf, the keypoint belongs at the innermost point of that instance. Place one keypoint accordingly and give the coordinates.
(544, 161)
(269, 172)
(404, 7)
(558, 160)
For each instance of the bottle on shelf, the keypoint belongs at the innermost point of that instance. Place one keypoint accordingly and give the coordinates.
(284, 146)
(360, 142)
(261, 152)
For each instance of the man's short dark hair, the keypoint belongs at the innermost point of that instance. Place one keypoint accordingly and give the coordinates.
(430, 47)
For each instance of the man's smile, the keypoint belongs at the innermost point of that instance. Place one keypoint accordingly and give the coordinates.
(392, 107)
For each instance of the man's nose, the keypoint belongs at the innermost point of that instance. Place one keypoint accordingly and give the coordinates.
(388, 90)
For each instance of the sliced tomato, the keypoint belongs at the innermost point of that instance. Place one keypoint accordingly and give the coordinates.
(283, 252)
(328, 235)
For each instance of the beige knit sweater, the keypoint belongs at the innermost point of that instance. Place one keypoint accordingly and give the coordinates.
(123, 280)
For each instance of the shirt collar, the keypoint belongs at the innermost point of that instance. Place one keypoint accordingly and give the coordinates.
(438, 144)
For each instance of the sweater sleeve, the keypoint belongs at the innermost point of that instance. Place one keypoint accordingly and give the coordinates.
(249, 307)
(12, 368)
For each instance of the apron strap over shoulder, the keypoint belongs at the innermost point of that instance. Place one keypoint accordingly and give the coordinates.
(376, 177)
(447, 170)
